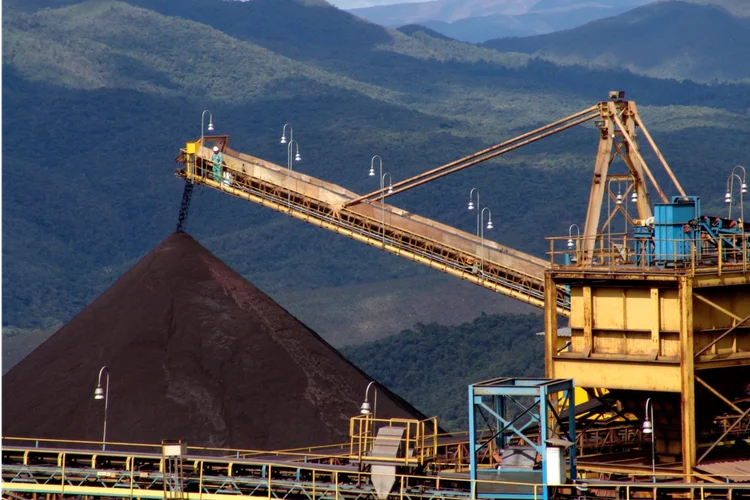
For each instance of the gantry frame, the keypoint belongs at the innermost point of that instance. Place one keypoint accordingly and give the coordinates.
(576, 292)
(488, 264)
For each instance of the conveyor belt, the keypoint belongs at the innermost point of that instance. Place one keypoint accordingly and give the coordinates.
(384, 226)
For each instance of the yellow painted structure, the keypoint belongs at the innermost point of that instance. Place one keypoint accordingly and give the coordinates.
(651, 330)
(634, 326)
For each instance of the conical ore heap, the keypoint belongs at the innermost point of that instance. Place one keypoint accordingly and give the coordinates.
(196, 352)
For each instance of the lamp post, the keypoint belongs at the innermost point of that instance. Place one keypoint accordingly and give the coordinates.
(210, 123)
(382, 186)
(481, 230)
(743, 179)
(297, 157)
(573, 245)
(366, 408)
(730, 188)
(648, 428)
(101, 393)
(471, 205)
(382, 199)
(728, 200)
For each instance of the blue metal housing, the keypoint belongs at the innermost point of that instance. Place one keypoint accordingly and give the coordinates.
(674, 236)
(550, 415)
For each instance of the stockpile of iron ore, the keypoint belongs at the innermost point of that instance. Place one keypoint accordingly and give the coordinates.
(193, 352)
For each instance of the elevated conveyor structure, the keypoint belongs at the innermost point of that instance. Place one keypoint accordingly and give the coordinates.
(74, 469)
(471, 258)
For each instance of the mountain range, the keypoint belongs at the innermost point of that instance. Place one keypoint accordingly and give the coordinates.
(101, 94)
(479, 20)
(698, 41)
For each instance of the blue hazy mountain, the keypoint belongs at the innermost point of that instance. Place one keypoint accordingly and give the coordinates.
(480, 20)
(703, 41)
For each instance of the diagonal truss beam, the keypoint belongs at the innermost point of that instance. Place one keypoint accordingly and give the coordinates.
(714, 341)
(578, 118)
(717, 394)
(725, 434)
(717, 307)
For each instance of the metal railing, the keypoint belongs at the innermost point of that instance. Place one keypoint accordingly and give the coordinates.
(418, 444)
(375, 231)
(631, 252)
(277, 480)
(306, 453)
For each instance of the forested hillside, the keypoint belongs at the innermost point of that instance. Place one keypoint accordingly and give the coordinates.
(704, 41)
(100, 95)
(432, 365)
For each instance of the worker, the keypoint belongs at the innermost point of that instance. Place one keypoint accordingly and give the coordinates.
(217, 159)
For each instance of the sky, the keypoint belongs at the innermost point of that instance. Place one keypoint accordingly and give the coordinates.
(353, 4)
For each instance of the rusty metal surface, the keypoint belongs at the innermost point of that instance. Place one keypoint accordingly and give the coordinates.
(734, 470)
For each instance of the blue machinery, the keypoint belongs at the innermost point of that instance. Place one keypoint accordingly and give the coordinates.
(678, 235)
(510, 408)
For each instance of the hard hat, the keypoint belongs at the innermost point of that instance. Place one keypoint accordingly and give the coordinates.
(216, 149)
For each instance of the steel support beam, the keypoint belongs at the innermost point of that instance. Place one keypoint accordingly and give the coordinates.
(717, 339)
(717, 394)
(550, 326)
(687, 374)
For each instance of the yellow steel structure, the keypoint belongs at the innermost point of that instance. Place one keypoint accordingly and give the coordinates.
(467, 256)
(137, 473)
(637, 328)
(650, 329)
(420, 439)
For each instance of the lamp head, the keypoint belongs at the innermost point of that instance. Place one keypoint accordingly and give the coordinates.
(634, 197)
(210, 126)
(471, 205)
(390, 189)
(619, 199)
(489, 224)
(372, 172)
(366, 409)
(99, 392)
(728, 198)
(571, 244)
(283, 139)
(648, 427)
(744, 188)
(297, 157)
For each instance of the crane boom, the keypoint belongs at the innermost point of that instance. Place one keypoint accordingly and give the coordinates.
(474, 259)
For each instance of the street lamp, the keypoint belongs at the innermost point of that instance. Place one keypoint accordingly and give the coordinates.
(471, 205)
(372, 165)
(730, 188)
(481, 230)
(283, 133)
(101, 393)
(743, 188)
(297, 157)
(366, 408)
(572, 245)
(210, 123)
(648, 428)
(382, 186)
(382, 199)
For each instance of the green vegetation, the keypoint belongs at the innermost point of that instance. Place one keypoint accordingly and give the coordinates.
(432, 365)
(18, 342)
(100, 95)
